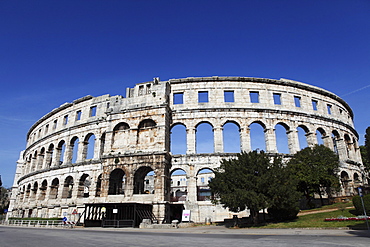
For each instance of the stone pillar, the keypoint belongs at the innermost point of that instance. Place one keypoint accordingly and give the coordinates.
(218, 140)
(47, 160)
(270, 140)
(192, 185)
(328, 142)
(245, 139)
(190, 140)
(311, 139)
(68, 154)
(81, 152)
(97, 146)
(293, 141)
(341, 149)
(40, 161)
(108, 141)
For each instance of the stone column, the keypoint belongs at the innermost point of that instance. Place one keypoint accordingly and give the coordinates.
(328, 142)
(218, 140)
(270, 140)
(293, 141)
(311, 139)
(81, 152)
(190, 140)
(97, 146)
(192, 185)
(245, 139)
(341, 148)
(47, 160)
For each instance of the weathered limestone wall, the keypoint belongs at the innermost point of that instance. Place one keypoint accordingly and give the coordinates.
(101, 149)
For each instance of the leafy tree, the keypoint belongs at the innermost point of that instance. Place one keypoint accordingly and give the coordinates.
(255, 181)
(365, 158)
(367, 143)
(317, 171)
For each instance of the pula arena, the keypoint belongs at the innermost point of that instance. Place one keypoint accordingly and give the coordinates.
(157, 146)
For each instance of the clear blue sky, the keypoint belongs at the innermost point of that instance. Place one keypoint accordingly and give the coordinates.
(54, 52)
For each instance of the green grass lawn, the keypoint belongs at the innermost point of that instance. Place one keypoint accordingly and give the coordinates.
(317, 221)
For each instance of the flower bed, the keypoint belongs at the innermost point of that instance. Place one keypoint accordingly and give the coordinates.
(341, 218)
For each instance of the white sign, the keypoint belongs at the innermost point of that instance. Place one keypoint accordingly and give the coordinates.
(185, 215)
(115, 210)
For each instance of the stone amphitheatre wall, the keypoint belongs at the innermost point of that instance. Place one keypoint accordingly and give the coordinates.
(114, 149)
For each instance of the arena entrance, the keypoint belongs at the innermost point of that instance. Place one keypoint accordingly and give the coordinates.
(117, 214)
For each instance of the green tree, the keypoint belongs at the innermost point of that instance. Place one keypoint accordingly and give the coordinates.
(317, 171)
(367, 143)
(365, 158)
(255, 181)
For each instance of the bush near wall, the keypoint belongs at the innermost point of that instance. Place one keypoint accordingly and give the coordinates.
(358, 204)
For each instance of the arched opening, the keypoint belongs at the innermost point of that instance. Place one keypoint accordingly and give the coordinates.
(49, 156)
(34, 190)
(54, 189)
(281, 134)
(98, 186)
(89, 146)
(74, 149)
(34, 161)
(178, 139)
(356, 178)
(28, 191)
(121, 136)
(84, 186)
(302, 136)
(257, 136)
(43, 188)
(67, 187)
(204, 193)
(204, 139)
(231, 137)
(61, 150)
(179, 184)
(344, 178)
(146, 132)
(117, 182)
(40, 160)
(320, 135)
(335, 138)
(349, 146)
(144, 180)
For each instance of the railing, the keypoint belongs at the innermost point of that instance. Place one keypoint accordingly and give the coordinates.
(35, 223)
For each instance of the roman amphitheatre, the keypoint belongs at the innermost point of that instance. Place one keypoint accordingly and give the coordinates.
(150, 153)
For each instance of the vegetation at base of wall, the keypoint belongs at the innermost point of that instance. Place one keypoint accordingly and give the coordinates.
(35, 218)
(253, 181)
(358, 204)
(317, 170)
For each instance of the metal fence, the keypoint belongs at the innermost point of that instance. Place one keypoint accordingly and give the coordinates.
(35, 223)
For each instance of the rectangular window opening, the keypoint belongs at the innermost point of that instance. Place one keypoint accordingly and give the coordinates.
(254, 97)
(178, 98)
(78, 115)
(203, 97)
(329, 109)
(55, 124)
(229, 96)
(92, 111)
(297, 101)
(65, 120)
(277, 98)
(314, 105)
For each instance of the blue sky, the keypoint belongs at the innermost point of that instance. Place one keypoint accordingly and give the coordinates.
(54, 52)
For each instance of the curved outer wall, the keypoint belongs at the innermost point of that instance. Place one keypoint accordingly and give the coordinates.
(99, 149)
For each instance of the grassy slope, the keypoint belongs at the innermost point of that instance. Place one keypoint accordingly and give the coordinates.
(316, 220)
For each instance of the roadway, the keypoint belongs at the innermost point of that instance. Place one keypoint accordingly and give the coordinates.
(192, 236)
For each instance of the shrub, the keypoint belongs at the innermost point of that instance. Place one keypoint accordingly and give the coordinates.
(283, 214)
(358, 204)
